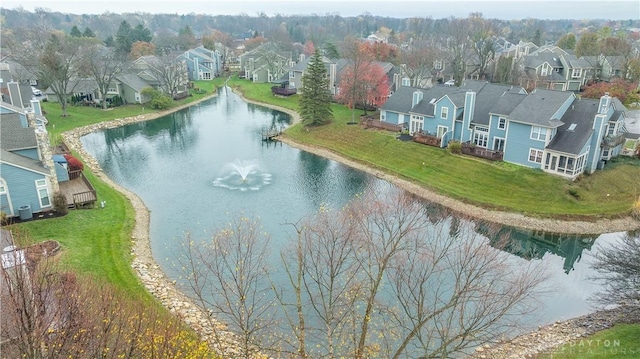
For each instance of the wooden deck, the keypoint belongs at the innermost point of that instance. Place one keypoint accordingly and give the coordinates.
(79, 192)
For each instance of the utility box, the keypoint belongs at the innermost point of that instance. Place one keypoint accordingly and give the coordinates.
(25, 213)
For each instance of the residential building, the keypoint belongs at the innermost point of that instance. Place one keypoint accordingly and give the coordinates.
(546, 129)
(202, 63)
(265, 63)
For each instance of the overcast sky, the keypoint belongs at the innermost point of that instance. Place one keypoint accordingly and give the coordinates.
(502, 9)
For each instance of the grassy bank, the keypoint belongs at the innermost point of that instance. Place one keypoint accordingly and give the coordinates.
(621, 341)
(496, 185)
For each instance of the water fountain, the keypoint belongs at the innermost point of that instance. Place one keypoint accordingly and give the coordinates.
(243, 175)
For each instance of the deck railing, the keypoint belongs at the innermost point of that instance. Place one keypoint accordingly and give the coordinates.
(427, 139)
(469, 148)
(83, 198)
(369, 123)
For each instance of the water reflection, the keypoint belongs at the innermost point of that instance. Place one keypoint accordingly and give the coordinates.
(535, 244)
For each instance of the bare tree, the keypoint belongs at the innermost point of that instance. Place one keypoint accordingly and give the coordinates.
(458, 45)
(54, 58)
(482, 43)
(227, 277)
(380, 279)
(417, 62)
(351, 50)
(49, 313)
(104, 64)
(171, 74)
(375, 279)
(618, 270)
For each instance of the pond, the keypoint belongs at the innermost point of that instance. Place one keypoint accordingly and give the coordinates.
(197, 168)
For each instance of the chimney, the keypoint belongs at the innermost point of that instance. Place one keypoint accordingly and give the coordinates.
(603, 106)
(15, 98)
(44, 150)
(37, 109)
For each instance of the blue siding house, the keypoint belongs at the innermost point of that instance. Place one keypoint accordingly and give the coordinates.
(202, 63)
(25, 181)
(546, 129)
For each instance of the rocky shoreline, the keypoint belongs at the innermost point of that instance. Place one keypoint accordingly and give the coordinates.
(155, 281)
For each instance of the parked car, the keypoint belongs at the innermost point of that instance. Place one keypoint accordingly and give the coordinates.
(450, 83)
(35, 91)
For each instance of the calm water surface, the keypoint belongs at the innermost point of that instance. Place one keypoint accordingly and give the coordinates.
(186, 167)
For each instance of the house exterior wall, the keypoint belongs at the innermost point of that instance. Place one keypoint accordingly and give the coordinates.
(21, 189)
(494, 131)
(518, 144)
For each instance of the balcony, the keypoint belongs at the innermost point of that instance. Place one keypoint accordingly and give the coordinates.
(427, 139)
(611, 141)
(469, 148)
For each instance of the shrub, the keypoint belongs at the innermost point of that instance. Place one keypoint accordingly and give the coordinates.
(574, 193)
(454, 147)
(74, 163)
(159, 101)
(60, 203)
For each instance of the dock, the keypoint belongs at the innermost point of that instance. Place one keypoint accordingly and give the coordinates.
(271, 135)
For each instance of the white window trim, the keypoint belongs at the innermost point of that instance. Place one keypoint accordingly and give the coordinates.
(41, 184)
(541, 133)
(504, 141)
(481, 133)
(535, 152)
(576, 73)
(444, 113)
(502, 125)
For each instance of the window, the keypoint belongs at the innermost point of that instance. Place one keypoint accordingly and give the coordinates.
(535, 155)
(437, 64)
(546, 70)
(43, 193)
(444, 113)
(611, 130)
(576, 73)
(406, 81)
(538, 133)
(502, 123)
(498, 144)
(3, 187)
(442, 130)
(481, 136)
(292, 75)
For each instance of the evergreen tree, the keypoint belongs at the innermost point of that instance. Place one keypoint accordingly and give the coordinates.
(88, 33)
(315, 101)
(567, 42)
(537, 38)
(109, 42)
(123, 39)
(75, 32)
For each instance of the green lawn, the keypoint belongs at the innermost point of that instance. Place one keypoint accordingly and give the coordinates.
(498, 185)
(621, 341)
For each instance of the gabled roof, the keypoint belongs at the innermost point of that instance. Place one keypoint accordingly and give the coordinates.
(486, 100)
(539, 107)
(86, 85)
(507, 103)
(401, 100)
(13, 135)
(577, 129)
(22, 161)
(132, 80)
